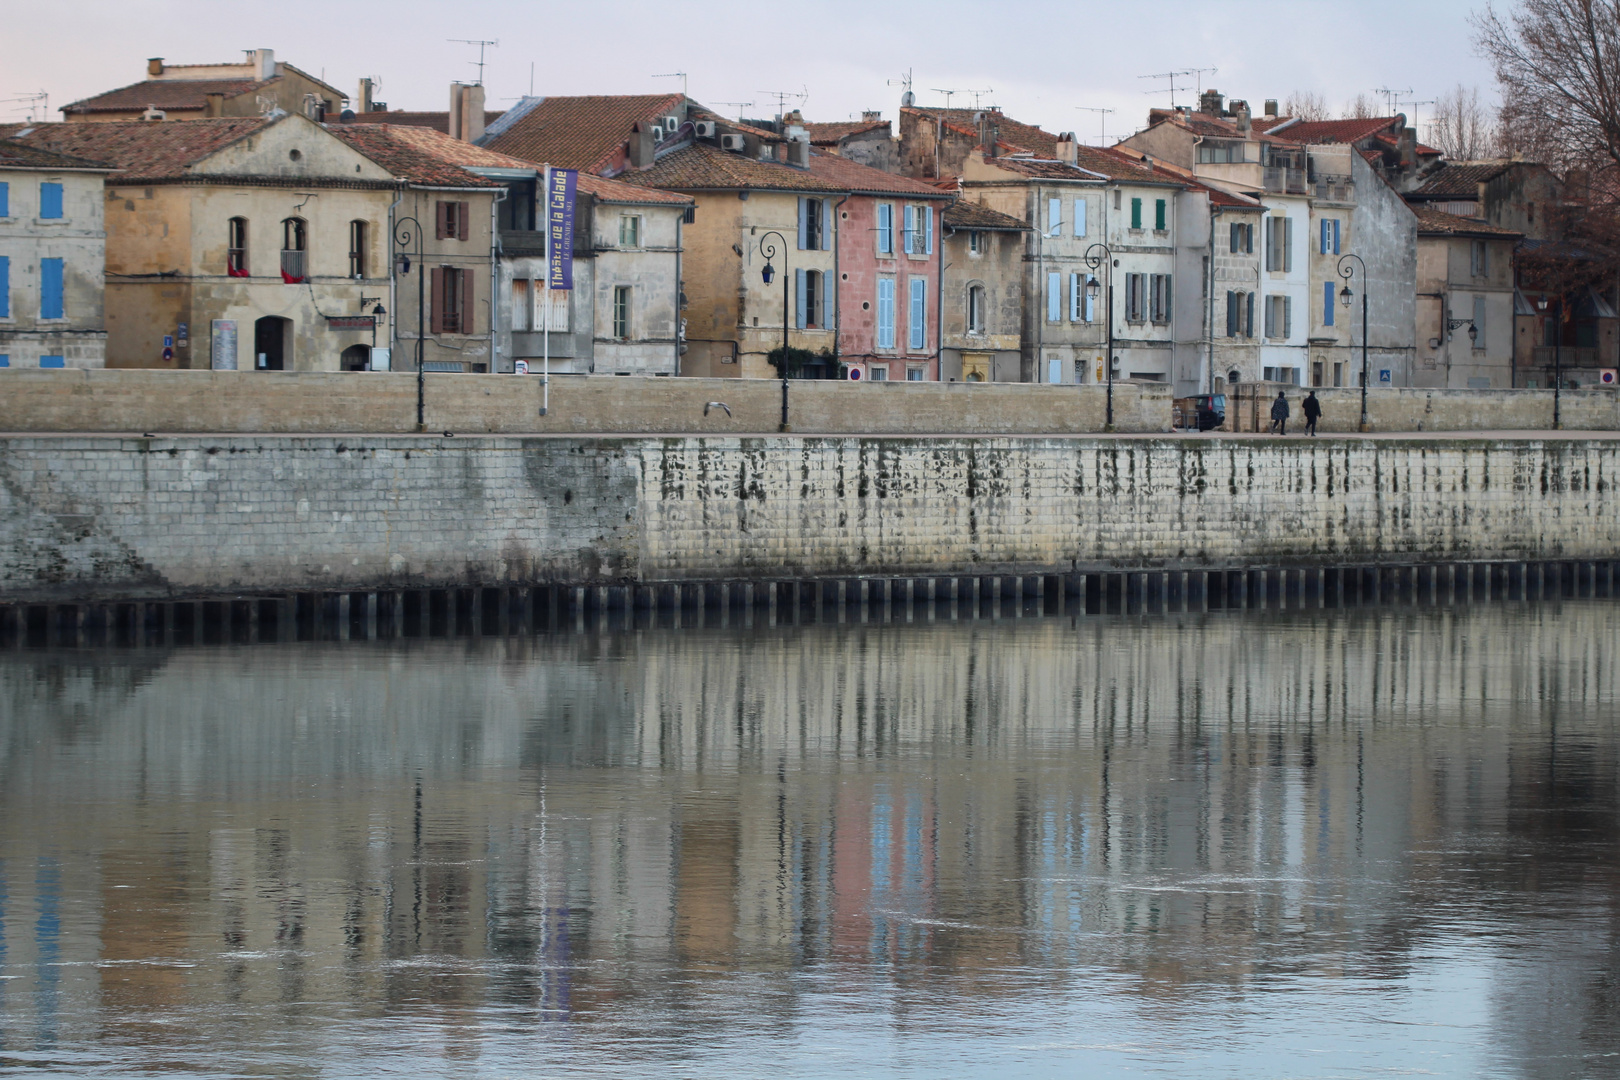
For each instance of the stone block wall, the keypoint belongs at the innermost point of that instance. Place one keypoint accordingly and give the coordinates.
(84, 517)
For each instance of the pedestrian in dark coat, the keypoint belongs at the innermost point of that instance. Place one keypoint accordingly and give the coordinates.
(1279, 415)
(1313, 413)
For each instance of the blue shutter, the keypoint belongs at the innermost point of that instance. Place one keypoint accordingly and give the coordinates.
(1091, 305)
(911, 230)
(5, 199)
(1322, 240)
(50, 200)
(885, 328)
(1074, 297)
(5, 286)
(885, 224)
(1231, 314)
(1054, 297)
(52, 362)
(5, 361)
(1288, 317)
(804, 223)
(1079, 217)
(798, 296)
(1327, 303)
(50, 288)
(919, 313)
(1335, 236)
(928, 220)
(826, 225)
(1054, 217)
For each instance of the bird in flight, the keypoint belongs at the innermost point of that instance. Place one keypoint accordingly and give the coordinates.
(716, 405)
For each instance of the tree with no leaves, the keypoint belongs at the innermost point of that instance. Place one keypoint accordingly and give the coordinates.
(1361, 107)
(1306, 105)
(1461, 128)
(1558, 63)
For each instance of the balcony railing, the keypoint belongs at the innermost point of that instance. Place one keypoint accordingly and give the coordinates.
(1286, 181)
(1569, 356)
(292, 264)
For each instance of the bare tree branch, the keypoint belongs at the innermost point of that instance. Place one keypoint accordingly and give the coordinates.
(1306, 105)
(1461, 127)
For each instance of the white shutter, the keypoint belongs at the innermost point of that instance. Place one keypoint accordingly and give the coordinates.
(919, 313)
(1054, 297)
(911, 229)
(1079, 217)
(798, 296)
(885, 328)
(1054, 217)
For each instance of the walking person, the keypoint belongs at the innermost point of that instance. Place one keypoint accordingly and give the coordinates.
(1313, 413)
(1279, 415)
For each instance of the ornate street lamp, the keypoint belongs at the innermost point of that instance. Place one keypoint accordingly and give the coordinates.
(1558, 367)
(407, 229)
(1346, 271)
(1099, 255)
(770, 251)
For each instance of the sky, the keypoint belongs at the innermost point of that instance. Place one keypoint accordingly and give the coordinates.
(1043, 63)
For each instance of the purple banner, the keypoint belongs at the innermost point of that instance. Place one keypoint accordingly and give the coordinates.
(560, 228)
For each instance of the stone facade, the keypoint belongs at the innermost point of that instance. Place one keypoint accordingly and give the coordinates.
(109, 516)
(33, 331)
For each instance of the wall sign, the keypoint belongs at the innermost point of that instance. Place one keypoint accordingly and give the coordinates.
(224, 344)
(351, 322)
(560, 191)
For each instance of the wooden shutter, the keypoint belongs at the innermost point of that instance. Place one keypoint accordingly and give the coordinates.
(885, 228)
(5, 286)
(1248, 239)
(910, 242)
(1479, 321)
(1335, 236)
(885, 313)
(1248, 318)
(469, 316)
(461, 221)
(1168, 301)
(1159, 220)
(1231, 314)
(441, 220)
(799, 309)
(1054, 217)
(1136, 213)
(1074, 297)
(1232, 238)
(436, 288)
(1271, 316)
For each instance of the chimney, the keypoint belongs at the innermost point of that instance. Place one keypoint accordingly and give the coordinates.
(216, 104)
(1408, 149)
(641, 145)
(989, 134)
(1066, 150)
(1242, 111)
(1211, 102)
(362, 100)
(264, 61)
(1271, 108)
(798, 153)
(154, 67)
(871, 116)
(466, 111)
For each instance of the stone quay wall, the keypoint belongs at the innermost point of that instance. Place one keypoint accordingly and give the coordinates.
(105, 518)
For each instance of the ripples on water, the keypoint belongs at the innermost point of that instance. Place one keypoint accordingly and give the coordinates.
(1327, 843)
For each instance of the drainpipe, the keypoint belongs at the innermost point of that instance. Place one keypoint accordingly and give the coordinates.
(939, 302)
(1041, 299)
(495, 277)
(393, 281)
(838, 292)
(680, 219)
(1207, 383)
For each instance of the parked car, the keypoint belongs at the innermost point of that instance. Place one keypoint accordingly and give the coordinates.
(1201, 412)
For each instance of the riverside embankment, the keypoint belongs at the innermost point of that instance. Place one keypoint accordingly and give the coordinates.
(106, 517)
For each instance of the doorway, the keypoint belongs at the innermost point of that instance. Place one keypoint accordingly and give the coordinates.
(355, 358)
(271, 348)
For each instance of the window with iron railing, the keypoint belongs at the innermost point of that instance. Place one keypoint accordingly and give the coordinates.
(294, 245)
(236, 261)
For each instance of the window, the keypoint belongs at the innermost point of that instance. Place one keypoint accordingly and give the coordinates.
(879, 372)
(451, 221)
(1241, 241)
(1135, 304)
(1079, 217)
(1279, 317)
(1089, 313)
(1054, 217)
(5, 361)
(975, 309)
(1327, 303)
(885, 313)
(1328, 242)
(1054, 297)
(629, 231)
(5, 199)
(52, 362)
(552, 305)
(357, 249)
(1077, 297)
(1479, 264)
(5, 286)
(452, 304)
(50, 289)
(918, 323)
(1160, 222)
(1220, 153)
(1136, 213)
(1159, 285)
(522, 304)
(885, 228)
(50, 200)
(1479, 322)
(919, 230)
(815, 225)
(1281, 374)
(915, 373)
(975, 242)
(621, 312)
(1240, 314)
(294, 241)
(811, 299)
(236, 237)
(1279, 243)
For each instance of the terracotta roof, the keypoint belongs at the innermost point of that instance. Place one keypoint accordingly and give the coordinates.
(1432, 222)
(966, 215)
(165, 94)
(1094, 163)
(701, 167)
(1331, 131)
(831, 134)
(1016, 135)
(585, 133)
(853, 176)
(1218, 127)
(143, 149)
(438, 121)
(617, 191)
(699, 112)
(422, 155)
(1461, 179)
(17, 155)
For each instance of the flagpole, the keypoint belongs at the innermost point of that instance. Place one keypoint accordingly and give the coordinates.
(545, 334)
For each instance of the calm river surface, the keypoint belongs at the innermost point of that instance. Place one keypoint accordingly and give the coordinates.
(1366, 842)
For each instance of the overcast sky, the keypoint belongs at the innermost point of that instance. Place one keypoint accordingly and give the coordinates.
(1041, 62)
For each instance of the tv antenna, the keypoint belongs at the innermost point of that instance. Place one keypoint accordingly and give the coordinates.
(738, 105)
(1415, 105)
(904, 81)
(1102, 134)
(40, 102)
(481, 44)
(784, 96)
(1198, 80)
(1390, 97)
(977, 94)
(681, 75)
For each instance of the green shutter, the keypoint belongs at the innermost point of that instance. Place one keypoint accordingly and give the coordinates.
(1158, 215)
(1136, 213)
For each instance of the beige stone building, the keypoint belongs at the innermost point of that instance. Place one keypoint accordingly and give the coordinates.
(256, 86)
(983, 306)
(52, 259)
(1465, 303)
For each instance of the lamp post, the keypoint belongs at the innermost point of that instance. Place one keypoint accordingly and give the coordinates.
(1099, 255)
(770, 251)
(405, 230)
(1558, 367)
(1346, 271)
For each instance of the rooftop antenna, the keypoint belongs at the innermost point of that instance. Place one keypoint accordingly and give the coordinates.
(784, 96)
(1198, 77)
(481, 45)
(1390, 96)
(1102, 134)
(681, 75)
(1415, 105)
(906, 98)
(738, 105)
(948, 94)
(977, 94)
(40, 102)
(1170, 75)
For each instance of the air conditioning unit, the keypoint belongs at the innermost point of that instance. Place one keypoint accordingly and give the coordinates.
(705, 129)
(658, 133)
(672, 124)
(735, 143)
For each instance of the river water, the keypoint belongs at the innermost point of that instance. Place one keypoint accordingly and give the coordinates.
(1365, 842)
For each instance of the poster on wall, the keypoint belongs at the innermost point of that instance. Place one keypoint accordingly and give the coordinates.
(561, 185)
(224, 345)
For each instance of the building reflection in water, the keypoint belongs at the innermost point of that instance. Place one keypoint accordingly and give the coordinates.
(1212, 835)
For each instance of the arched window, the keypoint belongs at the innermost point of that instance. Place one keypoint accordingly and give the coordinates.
(294, 245)
(975, 309)
(236, 259)
(357, 248)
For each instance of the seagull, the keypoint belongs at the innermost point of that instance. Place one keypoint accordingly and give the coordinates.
(449, 434)
(147, 435)
(716, 405)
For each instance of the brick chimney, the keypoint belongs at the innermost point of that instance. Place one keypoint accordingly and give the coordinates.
(362, 99)
(466, 111)
(154, 67)
(1242, 114)
(989, 134)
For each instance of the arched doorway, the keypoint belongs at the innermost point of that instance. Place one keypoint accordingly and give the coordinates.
(355, 358)
(272, 343)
